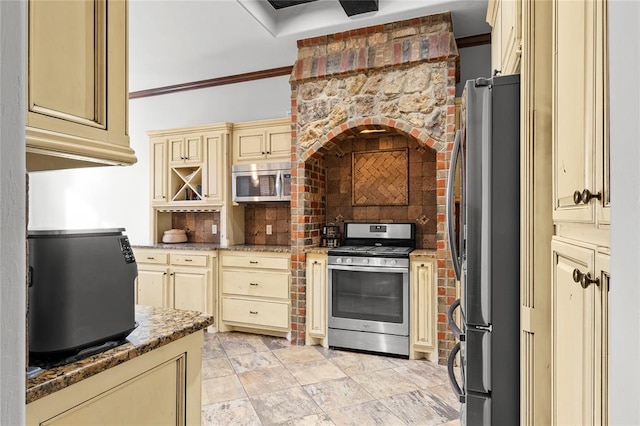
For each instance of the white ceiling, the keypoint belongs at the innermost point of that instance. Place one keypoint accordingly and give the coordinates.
(175, 41)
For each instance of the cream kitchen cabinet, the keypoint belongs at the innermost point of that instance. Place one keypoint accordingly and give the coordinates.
(262, 141)
(180, 279)
(580, 143)
(159, 387)
(505, 18)
(581, 206)
(423, 310)
(77, 93)
(580, 286)
(255, 291)
(188, 167)
(317, 308)
(185, 149)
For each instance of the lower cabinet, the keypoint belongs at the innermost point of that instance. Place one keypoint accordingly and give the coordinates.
(177, 279)
(423, 309)
(254, 292)
(317, 308)
(160, 387)
(580, 289)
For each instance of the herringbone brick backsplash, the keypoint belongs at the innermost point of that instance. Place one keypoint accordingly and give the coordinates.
(381, 178)
(387, 179)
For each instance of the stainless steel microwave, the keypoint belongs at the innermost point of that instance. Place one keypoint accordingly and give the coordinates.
(261, 182)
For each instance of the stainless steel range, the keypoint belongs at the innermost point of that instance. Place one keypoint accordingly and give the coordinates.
(369, 288)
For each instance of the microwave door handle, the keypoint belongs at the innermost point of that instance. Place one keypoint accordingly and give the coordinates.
(279, 184)
(449, 204)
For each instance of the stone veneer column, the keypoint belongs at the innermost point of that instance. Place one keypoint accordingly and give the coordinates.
(399, 76)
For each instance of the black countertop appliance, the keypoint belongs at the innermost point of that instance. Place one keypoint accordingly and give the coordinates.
(81, 290)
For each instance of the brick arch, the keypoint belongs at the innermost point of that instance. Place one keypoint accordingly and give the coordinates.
(352, 128)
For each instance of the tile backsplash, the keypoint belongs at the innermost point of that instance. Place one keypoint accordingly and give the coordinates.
(199, 225)
(258, 216)
(420, 178)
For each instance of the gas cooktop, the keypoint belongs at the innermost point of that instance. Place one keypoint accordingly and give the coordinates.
(386, 251)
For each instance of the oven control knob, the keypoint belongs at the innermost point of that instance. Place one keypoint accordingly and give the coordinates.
(365, 261)
(339, 260)
(348, 260)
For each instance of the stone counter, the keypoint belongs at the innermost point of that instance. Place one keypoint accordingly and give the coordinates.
(206, 246)
(157, 327)
(424, 253)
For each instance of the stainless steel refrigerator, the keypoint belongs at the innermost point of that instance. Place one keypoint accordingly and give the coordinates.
(484, 237)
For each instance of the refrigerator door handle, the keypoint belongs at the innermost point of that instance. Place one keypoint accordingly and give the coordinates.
(449, 204)
(452, 377)
(452, 323)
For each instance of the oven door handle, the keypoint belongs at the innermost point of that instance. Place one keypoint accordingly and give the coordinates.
(367, 268)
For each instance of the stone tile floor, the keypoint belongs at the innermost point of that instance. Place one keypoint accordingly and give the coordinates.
(260, 380)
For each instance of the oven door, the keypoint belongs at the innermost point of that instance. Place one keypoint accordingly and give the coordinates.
(369, 299)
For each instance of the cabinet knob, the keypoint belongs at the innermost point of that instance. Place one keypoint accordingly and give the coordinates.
(268, 152)
(584, 279)
(585, 196)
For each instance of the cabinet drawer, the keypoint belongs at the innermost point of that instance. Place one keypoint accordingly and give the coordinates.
(256, 284)
(151, 256)
(189, 259)
(260, 262)
(255, 312)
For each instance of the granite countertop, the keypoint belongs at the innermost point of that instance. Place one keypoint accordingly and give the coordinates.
(157, 327)
(317, 250)
(180, 246)
(207, 246)
(424, 253)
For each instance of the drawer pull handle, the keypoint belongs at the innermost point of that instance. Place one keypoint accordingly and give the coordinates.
(254, 284)
(253, 312)
(188, 260)
(151, 258)
(253, 262)
(584, 279)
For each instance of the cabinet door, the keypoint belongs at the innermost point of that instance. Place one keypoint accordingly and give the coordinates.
(76, 84)
(423, 306)
(249, 145)
(176, 150)
(190, 289)
(152, 287)
(279, 143)
(317, 297)
(159, 172)
(574, 323)
(216, 166)
(602, 339)
(575, 122)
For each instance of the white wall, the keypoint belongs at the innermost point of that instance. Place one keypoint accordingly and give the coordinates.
(624, 78)
(12, 213)
(119, 196)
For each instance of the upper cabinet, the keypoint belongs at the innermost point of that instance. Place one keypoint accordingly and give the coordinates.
(77, 84)
(580, 142)
(505, 18)
(262, 141)
(188, 166)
